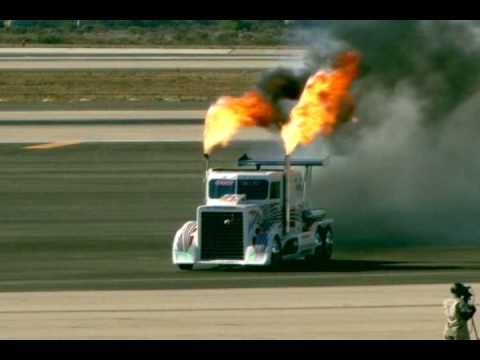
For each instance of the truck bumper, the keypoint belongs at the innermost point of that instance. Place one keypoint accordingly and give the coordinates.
(254, 256)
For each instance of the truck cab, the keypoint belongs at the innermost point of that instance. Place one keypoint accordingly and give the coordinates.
(255, 217)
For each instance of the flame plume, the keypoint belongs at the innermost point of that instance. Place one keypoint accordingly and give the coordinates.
(324, 102)
(317, 112)
(229, 114)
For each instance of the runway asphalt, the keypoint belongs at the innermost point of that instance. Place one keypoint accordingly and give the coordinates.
(111, 126)
(80, 220)
(30, 51)
(103, 215)
(102, 117)
(81, 59)
(101, 133)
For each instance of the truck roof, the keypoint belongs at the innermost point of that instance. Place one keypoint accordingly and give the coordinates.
(245, 172)
(267, 173)
(263, 171)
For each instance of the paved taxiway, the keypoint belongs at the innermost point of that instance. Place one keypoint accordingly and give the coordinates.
(110, 126)
(81, 59)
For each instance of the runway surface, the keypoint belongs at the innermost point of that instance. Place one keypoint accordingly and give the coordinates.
(80, 220)
(103, 215)
(80, 59)
(111, 126)
(27, 52)
(102, 117)
(143, 132)
(95, 115)
(408, 312)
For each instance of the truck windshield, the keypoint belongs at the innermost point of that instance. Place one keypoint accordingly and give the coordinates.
(253, 189)
(220, 187)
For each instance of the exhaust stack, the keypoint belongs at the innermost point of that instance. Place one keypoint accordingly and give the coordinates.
(286, 196)
(287, 163)
(207, 162)
(205, 179)
(307, 185)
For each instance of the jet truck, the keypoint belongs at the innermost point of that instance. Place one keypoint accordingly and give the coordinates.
(258, 214)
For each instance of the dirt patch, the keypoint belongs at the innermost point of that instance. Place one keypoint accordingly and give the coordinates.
(148, 86)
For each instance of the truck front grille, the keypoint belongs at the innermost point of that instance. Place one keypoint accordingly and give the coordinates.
(222, 236)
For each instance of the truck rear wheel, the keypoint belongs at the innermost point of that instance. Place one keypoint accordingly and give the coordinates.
(276, 259)
(327, 247)
(185, 267)
(324, 251)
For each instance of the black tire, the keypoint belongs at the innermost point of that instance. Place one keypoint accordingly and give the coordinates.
(324, 252)
(276, 260)
(327, 244)
(185, 267)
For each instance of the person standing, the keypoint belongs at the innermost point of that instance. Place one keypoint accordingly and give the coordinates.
(459, 312)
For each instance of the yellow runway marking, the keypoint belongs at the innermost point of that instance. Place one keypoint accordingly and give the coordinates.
(52, 145)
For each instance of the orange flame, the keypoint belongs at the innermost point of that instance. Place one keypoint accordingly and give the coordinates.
(317, 112)
(229, 114)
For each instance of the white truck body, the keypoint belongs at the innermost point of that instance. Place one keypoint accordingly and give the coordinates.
(251, 219)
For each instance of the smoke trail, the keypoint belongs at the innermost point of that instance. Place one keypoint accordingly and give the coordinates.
(408, 172)
(283, 83)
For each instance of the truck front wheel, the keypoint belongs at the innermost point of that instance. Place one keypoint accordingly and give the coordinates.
(185, 267)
